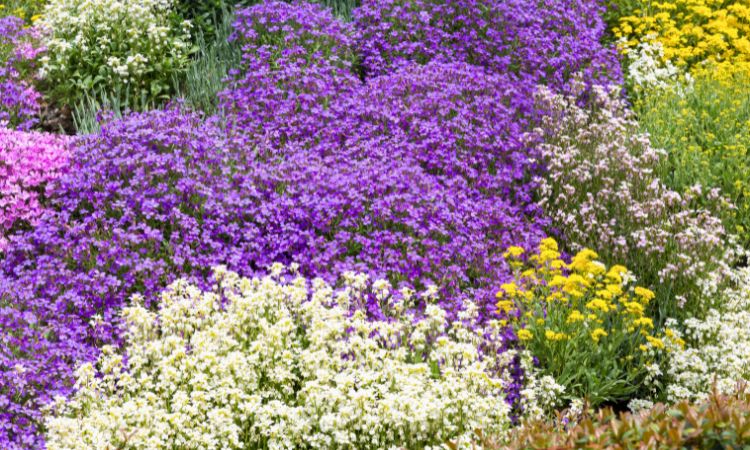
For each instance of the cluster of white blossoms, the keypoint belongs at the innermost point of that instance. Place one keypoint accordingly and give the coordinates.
(95, 44)
(281, 363)
(648, 71)
(717, 353)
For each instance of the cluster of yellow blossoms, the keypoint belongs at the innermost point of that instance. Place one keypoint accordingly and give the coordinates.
(585, 323)
(557, 301)
(28, 11)
(700, 36)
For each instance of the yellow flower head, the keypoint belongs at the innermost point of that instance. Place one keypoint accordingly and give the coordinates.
(598, 334)
(548, 244)
(524, 334)
(505, 306)
(644, 294)
(509, 289)
(644, 322)
(598, 304)
(655, 342)
(514, 252)
(575, 316)
(553, 336)
(634, 308)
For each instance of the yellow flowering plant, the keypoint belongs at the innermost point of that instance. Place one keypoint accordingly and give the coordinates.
(699, 36)
(706, 134)
(29, 10)
(585, 323)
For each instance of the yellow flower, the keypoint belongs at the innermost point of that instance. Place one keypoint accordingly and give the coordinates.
(598, 304)
(575, 316)
(548, 244)
(644, 294)
(524, 334)
(634, 308)
(553, 336)
(514, 252)
(644, 322)
(598, 334)
(582, 259)
(505, 306)
(655, 342)
(508, 288)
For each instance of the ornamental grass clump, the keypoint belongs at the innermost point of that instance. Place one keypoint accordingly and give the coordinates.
(28, 162)
(547, 41)
(602, 190)
(585, 322)
(19, 99)
(267, 363)
(128, 48)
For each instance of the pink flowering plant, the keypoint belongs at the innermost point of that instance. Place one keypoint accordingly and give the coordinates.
(28, 161)
(601, 189)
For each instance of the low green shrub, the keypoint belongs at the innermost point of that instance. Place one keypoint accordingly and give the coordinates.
(720, 422)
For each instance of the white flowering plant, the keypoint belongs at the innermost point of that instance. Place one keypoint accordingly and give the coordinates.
(282, 362)
(716, 354)
(131, 47)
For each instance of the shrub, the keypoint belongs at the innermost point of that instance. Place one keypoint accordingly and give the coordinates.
(601, 190)
(718, 422)
(699, 36)
(718, 347)
(260, 363)
(296, 59)
(704, 130)
(19, 100)
(585, 323)
(28, 161)
(132, 48)
(545, 41)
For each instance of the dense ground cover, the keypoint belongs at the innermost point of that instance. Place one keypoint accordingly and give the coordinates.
(390, 224)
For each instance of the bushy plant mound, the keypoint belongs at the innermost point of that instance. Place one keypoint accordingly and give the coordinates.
(296, 60)
(704, 129)
(129, 49)
(28, 162)
(602, 191)
(703, 37)
(717, 351)
(262, 363)
(19, 100)
(543, 41)
(585, 323)
(718, 422)
(143, 200)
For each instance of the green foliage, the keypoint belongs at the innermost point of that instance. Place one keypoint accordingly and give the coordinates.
(206, 74)
(720, 422)
(90, 110)
(706, 133)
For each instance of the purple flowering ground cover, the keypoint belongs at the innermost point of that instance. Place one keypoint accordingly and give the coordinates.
(418, 174)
